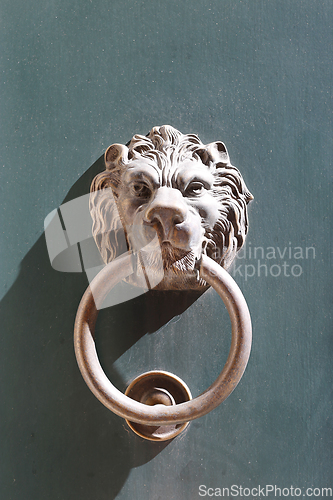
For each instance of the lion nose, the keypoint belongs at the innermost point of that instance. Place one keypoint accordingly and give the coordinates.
(167, 209)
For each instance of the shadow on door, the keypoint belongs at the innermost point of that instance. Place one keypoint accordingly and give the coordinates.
(59, 441)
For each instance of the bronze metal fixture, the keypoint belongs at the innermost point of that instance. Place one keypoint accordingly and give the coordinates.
(158, 388)
(169, 213)
(160, 414)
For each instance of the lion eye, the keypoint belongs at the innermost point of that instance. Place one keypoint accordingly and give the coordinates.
(141, 190)
(194, 189)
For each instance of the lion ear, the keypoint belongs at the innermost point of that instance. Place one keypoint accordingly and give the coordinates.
(115, 155)
(215, 152)
(218, 152)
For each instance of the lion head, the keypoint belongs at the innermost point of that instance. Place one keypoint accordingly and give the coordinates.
(170, 192)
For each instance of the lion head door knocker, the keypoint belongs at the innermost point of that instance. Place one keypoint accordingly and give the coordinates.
(183, 209)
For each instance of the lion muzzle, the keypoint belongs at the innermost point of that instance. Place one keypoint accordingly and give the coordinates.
(173, 220)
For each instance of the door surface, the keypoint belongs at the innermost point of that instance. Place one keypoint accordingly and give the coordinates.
(78, 76)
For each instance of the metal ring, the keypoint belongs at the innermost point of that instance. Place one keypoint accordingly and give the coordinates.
(130, 409)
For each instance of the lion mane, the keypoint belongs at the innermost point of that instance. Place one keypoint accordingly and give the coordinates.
(165, 146)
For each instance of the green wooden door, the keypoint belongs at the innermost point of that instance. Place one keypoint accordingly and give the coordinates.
(78, 76)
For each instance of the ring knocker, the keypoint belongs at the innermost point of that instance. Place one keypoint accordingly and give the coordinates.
(180, 209)
(166, 414)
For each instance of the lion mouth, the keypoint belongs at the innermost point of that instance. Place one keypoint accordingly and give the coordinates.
(174, 260)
